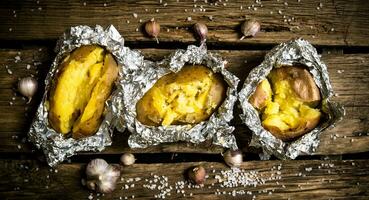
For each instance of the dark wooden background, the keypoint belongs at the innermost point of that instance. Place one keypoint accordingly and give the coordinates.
(339, 29)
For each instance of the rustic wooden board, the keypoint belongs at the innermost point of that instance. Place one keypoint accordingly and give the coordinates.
(349, 75)
(324, 22)
(278, 180)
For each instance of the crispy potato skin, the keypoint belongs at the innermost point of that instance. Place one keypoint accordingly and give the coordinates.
(187, 97)
(262, 95)
(290, 111)
(78, 95)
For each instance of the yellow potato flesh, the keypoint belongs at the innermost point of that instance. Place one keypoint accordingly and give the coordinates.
(182, 97)
(71, 94)
(287, 112)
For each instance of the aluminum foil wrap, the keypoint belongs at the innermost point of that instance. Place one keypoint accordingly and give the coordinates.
(140, 75)
(55, 146)
(297, 51)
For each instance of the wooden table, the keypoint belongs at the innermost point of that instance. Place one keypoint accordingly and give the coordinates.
(339, 169)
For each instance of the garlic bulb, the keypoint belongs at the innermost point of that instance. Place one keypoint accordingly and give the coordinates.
(202, 31)
(233, 158)
(152, 28)
(27, 87)
(197, 174)
(127, 159)
(250, 28)
(101, 176)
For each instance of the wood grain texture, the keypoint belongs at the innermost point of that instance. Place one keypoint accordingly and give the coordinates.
(277, 180)
(349, 76)
(323, 22)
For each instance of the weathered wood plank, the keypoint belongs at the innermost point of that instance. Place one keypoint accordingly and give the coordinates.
(349, 74)
(338, 22)
(27, 179)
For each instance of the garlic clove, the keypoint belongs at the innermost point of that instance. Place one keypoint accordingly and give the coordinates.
(152, 28)
(233, 158)
(127, 159)
(197, 174)
(28, 87)
(202, 31)
(250, 28)
(96, 167)
(101, 176)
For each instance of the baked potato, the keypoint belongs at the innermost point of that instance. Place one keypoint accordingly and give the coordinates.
(287, 101)
(187, 97)
(83, 84)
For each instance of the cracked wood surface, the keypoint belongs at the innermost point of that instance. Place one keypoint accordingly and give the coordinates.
(323, 22)
(298, 179)
(339, 29)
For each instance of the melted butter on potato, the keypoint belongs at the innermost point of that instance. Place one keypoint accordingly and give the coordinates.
(288, 110)
(78, 95)
(187, 97)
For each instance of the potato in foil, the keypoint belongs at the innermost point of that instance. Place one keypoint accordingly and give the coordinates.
(287, 101)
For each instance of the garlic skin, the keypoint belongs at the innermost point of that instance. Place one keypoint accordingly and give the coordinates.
(233, 158)
(202, 31)
(152, 28)
(197, 175)
(127, 159)
(27, 87)
(250, 28)
(101, 176)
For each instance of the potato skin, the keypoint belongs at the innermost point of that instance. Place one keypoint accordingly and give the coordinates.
(290, 111)
(305, 127)
(262, 94)
(187, 97)
(78, 93)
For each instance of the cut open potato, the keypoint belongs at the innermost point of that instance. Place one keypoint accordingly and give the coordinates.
(82, 86)
(287, 102)
(187, 97)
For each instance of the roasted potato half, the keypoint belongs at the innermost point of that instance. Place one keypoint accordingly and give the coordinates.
(187, 97)
(77, 98)
(287, 101)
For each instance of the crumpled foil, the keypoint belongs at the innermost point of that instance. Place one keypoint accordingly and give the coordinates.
(297, 51)
(55, 146)
(140, 75)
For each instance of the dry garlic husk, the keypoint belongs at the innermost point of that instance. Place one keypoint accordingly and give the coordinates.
(233, 158)
(101, 176)
(152, 28)
(127, 159)
(250, 28)
(27, 87)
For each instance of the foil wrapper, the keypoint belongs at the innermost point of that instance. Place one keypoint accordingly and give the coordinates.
(140, 75)
(297, 51)
(56, 146)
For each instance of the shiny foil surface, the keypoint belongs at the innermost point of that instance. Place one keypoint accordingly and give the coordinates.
(297, 51)
(140, 75)
(56, 146)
